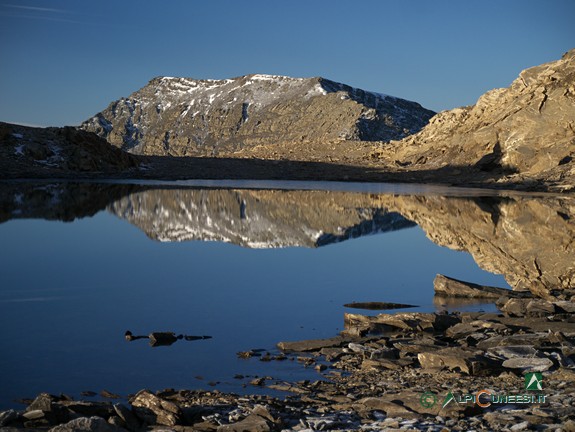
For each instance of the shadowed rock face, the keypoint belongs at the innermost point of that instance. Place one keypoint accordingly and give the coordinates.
(188, 117)
(528, 240)
(256, 219)
(42, 151)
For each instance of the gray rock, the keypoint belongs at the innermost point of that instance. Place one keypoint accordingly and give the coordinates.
(252, 423)
(509, 352)
(515, 307)
(532, 364)
(539, 307)
(87, 424)
(89, 409)
(468, 361)
(535, 340)
(520, 426)
(413, 321)
(313, 344)
(51, 406)
(566, 306)
(448, 287)
(42, 402)
(390, 407)
(127, 416)
(34, 414)
(7, 417)
(154, 410)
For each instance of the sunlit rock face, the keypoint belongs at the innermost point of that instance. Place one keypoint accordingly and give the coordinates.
(256, 218)
(528, 240)
(526, 129)
(190, 117)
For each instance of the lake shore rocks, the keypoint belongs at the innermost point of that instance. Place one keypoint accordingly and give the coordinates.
(449, 287)
(403, 371)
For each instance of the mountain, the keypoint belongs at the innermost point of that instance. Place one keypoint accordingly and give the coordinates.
(521, 133)
(189, 117)
(256, 218)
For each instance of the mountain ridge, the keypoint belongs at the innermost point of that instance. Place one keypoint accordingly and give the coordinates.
(525, 132)
(189, 117)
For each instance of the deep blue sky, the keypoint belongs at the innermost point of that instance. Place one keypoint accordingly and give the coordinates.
(62, 61)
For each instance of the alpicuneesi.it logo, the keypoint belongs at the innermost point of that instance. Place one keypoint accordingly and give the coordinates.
(486, 398)
(533, 381)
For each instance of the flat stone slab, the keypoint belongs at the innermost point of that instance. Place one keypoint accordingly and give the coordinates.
(467, 361)
(448, 287)
(314, 344)
(529, 364)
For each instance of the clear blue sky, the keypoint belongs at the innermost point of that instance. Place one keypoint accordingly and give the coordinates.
(62, 61)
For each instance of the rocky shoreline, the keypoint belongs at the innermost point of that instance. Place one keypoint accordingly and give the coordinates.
(510, 371)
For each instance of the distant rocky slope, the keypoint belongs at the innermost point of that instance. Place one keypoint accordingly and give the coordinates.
(525, 131)
(39, 152)
(188, 117)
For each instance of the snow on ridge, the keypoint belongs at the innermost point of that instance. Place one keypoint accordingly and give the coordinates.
(184, 85)
(266, 77)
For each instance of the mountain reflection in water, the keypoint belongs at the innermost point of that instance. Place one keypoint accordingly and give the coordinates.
(527, 239)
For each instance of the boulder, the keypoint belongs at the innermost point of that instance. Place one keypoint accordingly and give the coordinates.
(7, 417)
(532, 339)
(127, 416)
(152, 410)
(259, 420)
(162, 338)
(400, 322)
(87, 424)
(467, 361)
(509, 352)
(529, 364)
(515, 307)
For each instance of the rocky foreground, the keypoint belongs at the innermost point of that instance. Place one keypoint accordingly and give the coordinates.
(508, 371)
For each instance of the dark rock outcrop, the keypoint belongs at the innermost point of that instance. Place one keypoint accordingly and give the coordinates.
(27, 151)
(189, 117)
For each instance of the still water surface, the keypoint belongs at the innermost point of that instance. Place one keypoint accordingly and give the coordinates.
(279, 265)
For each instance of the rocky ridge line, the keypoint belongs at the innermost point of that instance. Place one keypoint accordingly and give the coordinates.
(523, 133)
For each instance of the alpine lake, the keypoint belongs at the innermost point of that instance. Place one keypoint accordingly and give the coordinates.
(236, 266)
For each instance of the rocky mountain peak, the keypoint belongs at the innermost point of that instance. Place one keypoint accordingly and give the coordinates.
(190, 117)
(525, 131)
